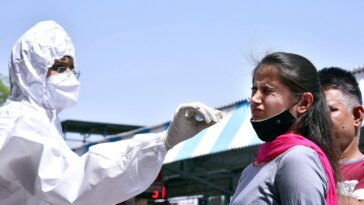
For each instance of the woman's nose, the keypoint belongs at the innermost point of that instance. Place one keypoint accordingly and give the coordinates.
(255, 98)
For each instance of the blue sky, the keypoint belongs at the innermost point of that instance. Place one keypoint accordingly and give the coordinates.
(141, 59)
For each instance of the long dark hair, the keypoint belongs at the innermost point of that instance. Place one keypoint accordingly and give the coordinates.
(301, 76)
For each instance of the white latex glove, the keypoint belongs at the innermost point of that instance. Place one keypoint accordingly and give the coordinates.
(189, 120)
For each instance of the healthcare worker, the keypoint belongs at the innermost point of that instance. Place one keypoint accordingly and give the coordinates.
(37, 166)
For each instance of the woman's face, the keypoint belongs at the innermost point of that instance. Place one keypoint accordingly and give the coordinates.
(268, 96)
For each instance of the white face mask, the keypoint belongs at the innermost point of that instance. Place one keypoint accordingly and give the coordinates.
(62, 91)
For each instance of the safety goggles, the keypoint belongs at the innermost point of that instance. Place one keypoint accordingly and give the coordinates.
(62, 69)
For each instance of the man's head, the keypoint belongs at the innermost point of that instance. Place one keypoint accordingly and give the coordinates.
(43, 50)
(344, 98)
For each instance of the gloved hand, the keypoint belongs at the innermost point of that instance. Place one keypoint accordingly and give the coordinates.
(188, 121)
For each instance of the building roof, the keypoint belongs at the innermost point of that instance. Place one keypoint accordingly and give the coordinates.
(357, 70)
(233, 132)
(84, 127)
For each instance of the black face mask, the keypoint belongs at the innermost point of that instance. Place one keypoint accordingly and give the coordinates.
(269, 129)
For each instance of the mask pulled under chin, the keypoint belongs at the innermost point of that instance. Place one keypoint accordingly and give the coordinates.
(62, 91)
(270, 128)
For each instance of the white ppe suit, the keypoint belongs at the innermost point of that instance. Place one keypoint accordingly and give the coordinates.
(38, 167)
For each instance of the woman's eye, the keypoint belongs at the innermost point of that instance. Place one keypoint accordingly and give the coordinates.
(266, 90)
(253, 90)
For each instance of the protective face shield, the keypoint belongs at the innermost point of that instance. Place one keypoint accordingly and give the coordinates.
(62, 91)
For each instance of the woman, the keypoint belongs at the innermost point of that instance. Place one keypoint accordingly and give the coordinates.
(297, 164)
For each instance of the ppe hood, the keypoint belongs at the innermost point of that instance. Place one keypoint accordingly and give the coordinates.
(32, 55)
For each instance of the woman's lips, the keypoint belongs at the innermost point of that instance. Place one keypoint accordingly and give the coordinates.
(256, 113)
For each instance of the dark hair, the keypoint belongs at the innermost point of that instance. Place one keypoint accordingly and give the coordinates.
(345, 81)
(301, 76)
(65, 61)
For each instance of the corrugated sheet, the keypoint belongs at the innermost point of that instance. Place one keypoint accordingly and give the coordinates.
(234, 131)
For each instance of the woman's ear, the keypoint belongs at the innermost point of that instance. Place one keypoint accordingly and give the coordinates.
(305, 103)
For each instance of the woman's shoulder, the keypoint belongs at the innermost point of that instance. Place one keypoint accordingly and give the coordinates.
(300, 156)
(300, 170)
(301, 161)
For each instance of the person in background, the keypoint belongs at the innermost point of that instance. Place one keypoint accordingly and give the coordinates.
(296, 164)
(38, 167)
(344, 98)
